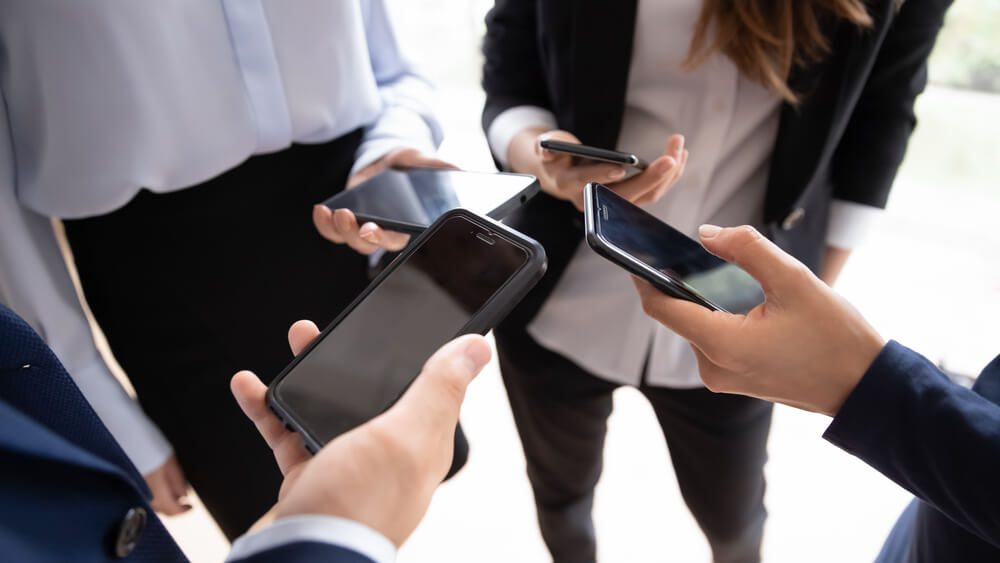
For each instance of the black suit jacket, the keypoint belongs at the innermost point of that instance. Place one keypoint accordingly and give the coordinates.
(845, 140)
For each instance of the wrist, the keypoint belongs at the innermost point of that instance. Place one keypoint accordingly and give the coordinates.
(868, 344)
(522, 152)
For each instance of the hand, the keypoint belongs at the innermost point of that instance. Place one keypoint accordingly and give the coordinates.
(169, 488)
(383, 473)
(562, 179)
(341, 227)
(805, 346)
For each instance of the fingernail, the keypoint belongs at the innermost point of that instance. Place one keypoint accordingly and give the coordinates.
(709, 231)
(477, 353)
(617, 174)
(367, 232)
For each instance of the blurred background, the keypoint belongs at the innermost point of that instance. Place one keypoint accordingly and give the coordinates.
(930, 278)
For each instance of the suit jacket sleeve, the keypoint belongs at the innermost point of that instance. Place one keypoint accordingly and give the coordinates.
(875, 140)
(513, 74)
(936, 439)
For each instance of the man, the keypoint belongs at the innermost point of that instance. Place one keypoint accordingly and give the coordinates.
(69, 493)
(808, 348)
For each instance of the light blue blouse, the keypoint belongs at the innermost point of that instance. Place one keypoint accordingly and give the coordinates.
(103, 97)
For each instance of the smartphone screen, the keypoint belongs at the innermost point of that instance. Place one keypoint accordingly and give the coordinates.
(410, 200)
(634, 232)
(363, 364)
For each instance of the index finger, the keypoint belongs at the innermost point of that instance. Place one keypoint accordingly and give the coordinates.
(250, 393)
(708, 330)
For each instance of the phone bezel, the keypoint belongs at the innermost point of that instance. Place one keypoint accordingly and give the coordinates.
(490, 314)
(594, 153)
(607, 249)
(530, 190)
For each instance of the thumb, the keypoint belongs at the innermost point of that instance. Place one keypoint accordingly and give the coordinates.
(744, 246)
(433, 402)
(556, 135)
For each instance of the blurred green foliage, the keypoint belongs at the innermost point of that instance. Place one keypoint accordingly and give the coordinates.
(968, 50)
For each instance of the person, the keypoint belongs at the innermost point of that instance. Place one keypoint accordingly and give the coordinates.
(185, 147)
(795, 115)
(69, 493)
(807, 347)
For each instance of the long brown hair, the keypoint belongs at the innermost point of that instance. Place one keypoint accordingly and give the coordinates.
(767, 38)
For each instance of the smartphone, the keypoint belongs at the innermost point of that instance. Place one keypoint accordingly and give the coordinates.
(409, 200)
(462, 275)
(665, 257)
(594, 153)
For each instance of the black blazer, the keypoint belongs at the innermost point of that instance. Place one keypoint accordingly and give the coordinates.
(845, 140)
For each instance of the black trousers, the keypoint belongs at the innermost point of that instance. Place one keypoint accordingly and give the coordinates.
(718, 445)
(192, 286)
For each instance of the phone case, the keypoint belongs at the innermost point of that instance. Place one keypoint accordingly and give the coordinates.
(599, 245)
(499, 213)
(489, 316)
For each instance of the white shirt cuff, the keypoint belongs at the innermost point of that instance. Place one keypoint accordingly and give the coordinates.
(511, 122)
(851, 223)
(332, 530)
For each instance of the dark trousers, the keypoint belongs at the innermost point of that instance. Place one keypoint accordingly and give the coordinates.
(192, 286)
(718, 445)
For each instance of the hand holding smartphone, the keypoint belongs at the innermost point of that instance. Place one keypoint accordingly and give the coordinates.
(594, 154)
(461, 276)
(564, 166)
(663, 256)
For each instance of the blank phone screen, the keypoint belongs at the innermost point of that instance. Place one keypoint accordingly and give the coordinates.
(417, 197)
(673, 254)
(371, 356)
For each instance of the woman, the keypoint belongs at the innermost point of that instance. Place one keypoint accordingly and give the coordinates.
(796, 114)
(185, 146)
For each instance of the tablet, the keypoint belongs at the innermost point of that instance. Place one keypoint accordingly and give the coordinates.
(410, 200)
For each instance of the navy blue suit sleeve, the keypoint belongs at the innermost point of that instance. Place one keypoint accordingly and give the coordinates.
(936, 439)
(306, 552)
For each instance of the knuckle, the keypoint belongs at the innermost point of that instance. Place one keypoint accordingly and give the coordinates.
(452, 384)
(750, 233)
(800, 273)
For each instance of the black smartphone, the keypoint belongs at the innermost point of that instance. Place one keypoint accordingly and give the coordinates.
(462, 275)
(594, 153)
(665, 257)
(409, 200)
